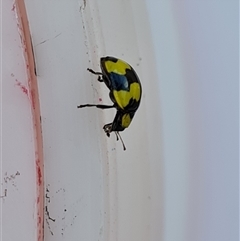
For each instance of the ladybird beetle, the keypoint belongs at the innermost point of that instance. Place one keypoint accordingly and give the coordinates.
(125, 92)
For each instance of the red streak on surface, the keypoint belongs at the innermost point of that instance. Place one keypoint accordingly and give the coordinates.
(39, 173)
(39, 220)
(23, 88)
(33, 99)
(13, 7)
(32, 91)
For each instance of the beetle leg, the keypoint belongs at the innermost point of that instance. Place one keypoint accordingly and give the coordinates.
(93, 72)
(100, 79)
(98, 106)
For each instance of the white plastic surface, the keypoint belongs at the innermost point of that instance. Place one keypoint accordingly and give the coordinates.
(91, 194)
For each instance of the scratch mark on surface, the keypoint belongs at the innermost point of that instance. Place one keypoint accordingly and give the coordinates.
(11, 177)
(48, 217)
(34, 60)
(44, 41)
(5, 194)
(83, 6)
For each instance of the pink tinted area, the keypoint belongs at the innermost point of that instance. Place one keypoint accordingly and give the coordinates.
(13, 7)
(32, 93)
(23, 88)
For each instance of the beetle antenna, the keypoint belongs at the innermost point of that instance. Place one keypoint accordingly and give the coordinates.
(117, 134)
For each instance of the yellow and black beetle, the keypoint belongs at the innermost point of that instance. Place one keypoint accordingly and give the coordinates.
(125, 92)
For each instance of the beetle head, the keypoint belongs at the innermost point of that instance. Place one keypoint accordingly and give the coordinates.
(108, 129)
(121, 121)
